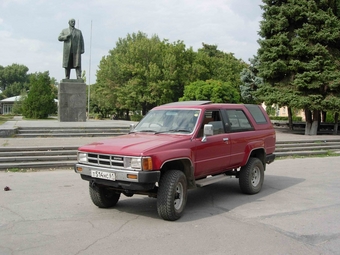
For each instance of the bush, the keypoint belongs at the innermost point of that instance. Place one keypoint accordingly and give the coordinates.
(295, 118)
(39, 102)
(136, 117)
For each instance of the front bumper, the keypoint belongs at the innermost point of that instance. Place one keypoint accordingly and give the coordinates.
(143, 180)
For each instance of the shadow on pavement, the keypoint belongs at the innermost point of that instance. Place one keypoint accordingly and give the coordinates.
(211, 200)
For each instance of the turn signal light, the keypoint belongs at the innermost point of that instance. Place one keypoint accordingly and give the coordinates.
(132, 176)
(147, 163)
(79, 169)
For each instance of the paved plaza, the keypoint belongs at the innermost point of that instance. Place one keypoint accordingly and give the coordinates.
(50, 212)
(297, 212)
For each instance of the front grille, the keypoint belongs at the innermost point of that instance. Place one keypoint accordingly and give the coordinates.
(105, 160)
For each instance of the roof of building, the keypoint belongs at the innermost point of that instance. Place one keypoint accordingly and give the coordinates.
(16, 98)
(11, 99)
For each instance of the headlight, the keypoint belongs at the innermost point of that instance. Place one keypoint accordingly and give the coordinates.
(143, 163)
(82, 157)
(136, 163)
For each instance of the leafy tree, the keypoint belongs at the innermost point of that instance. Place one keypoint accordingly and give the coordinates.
(142, 72)
(14, 74)
(15, 89)
(299, 57)
(212, 90)
(39, 102)
(211, 63)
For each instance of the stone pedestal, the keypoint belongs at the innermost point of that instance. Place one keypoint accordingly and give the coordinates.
(72, 101)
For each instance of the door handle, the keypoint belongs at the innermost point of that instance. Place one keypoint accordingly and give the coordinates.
(226, 139)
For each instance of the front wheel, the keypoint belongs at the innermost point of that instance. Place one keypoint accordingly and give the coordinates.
(172, 195)
(103, 197)
(251, 176)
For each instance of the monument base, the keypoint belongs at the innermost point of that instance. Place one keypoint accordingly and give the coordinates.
(72, 101)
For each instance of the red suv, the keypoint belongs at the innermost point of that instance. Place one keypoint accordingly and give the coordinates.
(180, 146)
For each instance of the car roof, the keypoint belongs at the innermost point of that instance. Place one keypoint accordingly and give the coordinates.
(187, 103)
(198, 105)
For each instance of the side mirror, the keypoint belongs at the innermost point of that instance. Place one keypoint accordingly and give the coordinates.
(207, 131)
(132, 127)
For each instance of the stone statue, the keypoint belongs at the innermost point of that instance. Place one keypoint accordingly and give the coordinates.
(73, 48)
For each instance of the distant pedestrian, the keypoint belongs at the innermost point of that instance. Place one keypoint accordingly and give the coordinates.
(73, 48)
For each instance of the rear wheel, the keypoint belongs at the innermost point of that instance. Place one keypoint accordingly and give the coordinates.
(172, 195)
(103, 197)
(251, 176)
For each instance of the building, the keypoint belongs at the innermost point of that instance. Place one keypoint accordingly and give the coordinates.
(6, 105)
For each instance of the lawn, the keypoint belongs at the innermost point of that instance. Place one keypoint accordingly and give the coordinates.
(4, 118)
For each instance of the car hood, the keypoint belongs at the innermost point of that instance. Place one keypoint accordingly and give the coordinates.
(135, 144)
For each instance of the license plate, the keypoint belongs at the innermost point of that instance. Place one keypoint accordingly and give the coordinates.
(103, 175)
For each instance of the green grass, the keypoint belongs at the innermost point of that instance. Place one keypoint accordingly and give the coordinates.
(15, 170)
(49, 118)
(4, 118)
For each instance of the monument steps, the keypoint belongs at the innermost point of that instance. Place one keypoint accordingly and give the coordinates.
(27, 132)
(37, 157)
(305, 148)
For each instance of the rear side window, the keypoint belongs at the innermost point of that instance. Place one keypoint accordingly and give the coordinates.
(238, 121)
(257, 114)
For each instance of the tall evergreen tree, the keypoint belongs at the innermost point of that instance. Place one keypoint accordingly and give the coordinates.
(299, 56)
(250, 82)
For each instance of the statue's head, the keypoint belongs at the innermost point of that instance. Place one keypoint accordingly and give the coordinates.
(72, 22)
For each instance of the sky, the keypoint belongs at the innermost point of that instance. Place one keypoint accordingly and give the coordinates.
(29, 29)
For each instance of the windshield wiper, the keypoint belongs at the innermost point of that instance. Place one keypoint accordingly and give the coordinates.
(146, 130)
(179, 130)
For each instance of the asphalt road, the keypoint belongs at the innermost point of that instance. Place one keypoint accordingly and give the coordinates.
(297, 212)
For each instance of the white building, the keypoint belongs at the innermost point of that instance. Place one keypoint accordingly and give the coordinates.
(6, 105)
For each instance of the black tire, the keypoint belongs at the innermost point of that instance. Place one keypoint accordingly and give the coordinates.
(172, 195)
(251, 176)
(103, 197)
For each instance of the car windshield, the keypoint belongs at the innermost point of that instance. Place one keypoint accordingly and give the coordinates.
(169, 121)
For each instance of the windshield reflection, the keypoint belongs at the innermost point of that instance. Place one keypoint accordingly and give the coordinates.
(169, 121)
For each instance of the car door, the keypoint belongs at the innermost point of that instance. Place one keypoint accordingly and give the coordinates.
(241, 132)
(212, 155)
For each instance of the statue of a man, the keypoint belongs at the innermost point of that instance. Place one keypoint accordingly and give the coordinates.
(73, 48)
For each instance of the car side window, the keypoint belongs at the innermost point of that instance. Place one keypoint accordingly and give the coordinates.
(257, 114)
(238, 121)
(212, 117)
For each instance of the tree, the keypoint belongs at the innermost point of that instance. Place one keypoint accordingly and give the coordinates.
(39, 102)
(212, 90)
(13, 74)
(250, 82)
(141, 72)
(17, 106)
(15, 89)
(211, 63)
(299, 57)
